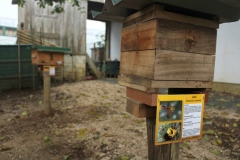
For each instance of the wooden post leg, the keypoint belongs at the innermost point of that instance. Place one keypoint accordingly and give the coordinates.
(161, 152)
(47, 101)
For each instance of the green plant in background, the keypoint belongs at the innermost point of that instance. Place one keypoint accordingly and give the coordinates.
(101, 42)
(57, 4)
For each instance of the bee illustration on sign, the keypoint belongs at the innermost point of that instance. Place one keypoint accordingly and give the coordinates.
(169, 132)
(170, 110)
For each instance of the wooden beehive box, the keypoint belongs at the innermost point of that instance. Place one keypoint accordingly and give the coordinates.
(48, 56)
(160, 49)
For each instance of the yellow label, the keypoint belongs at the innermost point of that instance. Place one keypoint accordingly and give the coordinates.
(178, 117)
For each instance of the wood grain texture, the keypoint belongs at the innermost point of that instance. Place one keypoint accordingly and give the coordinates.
(169, 35)
(172, 65)
(138, 87)
(162, 84)
(143, 12)
(182, 37)
(93, 67)
(167, 65)
(161, 152)
(47, 93)
(139, 37)
(139, 63)
(143, 97)
(153, 12)
(140, 110)
(47, 58)
(69, 26)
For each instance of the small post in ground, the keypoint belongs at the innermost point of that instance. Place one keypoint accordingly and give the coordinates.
(47, 100)
(161, 152)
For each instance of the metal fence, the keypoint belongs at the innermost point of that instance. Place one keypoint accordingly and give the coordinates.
(16, 69)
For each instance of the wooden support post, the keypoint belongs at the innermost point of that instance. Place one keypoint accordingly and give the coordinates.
(162, 152)
(47, 101)
(139, 109)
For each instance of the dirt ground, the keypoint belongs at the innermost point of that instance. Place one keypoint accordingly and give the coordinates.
(90, 122)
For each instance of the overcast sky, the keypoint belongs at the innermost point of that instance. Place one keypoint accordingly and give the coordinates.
(7, 10)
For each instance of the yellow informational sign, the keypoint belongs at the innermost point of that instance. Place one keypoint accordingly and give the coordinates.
(49, 70)
(179, 118)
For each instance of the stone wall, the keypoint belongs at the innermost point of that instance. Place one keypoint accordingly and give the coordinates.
(74, 67)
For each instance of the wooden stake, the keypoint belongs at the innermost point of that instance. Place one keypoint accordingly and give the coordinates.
(47, 101)
(162, 152)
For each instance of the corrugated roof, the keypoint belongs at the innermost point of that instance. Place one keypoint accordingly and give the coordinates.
(5, 40)
(117, 10)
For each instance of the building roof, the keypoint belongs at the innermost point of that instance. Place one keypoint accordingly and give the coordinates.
(52, 49)
(223, 10)
(4, 40)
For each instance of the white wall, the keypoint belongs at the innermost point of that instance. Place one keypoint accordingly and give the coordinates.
(115, 38)
(227, 65)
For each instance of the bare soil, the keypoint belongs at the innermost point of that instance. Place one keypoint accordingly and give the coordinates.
(90, 123)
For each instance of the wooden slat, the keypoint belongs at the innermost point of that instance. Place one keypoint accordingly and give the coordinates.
(93, 67)
(25, 37)
(157, 11)
(172, 65)
(139, 63)
(167, 65)
(161, 152)
(47, 59)
(162, 84)
(139, 37)
(140, 110)
(143, 12)
(45, 35)
(169, 35)
(138, 87)
(182, 37)
(143, 97)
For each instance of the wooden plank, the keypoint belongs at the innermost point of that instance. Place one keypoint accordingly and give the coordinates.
(47, 97)
(157, 13)
(172, 65)
(143, 18)
(138, 87)
(93, 67)
(139, 63)
(140, 110)
(136, 80)
(182, 37)
(139, 37)
(47, 58)
(161, 152)
(162, 84)
(169, 35)
(181, 84)
(143, 12)
(168, 65)
(46, 35)
(26, 38)
(143, 97)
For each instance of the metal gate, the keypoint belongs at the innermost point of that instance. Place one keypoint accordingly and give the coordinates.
(16, 69)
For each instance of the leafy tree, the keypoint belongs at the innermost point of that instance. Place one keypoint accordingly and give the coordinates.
(57, 4)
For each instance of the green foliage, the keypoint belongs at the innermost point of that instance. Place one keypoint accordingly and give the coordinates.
(101, 43)
(56, 4)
